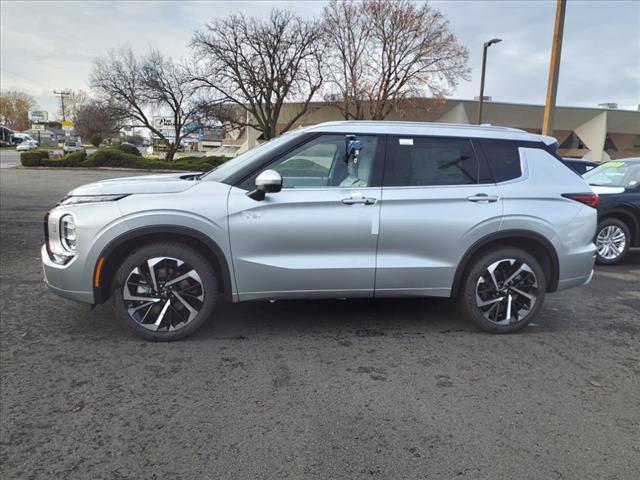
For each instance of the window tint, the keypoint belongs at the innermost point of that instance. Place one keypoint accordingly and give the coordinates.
(503, 158)
(321, 163)
(413, 161)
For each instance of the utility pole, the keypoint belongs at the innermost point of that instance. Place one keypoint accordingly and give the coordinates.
(62, 94)
(554, 69)
(484, 67)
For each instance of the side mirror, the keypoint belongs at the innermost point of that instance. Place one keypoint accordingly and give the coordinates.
(268, 181)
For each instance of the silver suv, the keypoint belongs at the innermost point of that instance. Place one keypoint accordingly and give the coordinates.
(342, 209)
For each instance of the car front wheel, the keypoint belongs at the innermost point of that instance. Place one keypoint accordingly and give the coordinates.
(504, 290)
(164, 291)
(612, 241)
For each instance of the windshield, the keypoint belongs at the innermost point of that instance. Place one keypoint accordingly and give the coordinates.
(220, 173)
(625, 174)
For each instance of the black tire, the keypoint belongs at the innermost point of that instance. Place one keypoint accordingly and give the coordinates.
(615, 223)
(473, 280)
(178, 322)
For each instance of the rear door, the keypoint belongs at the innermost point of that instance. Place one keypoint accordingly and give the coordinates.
(438, 199)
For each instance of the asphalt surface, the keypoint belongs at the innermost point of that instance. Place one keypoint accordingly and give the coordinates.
(9, 158)
(393, 389)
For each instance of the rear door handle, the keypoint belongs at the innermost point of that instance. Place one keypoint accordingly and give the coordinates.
(483, 198)
(358, 199)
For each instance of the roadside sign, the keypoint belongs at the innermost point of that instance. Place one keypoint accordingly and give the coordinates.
(165, 125)
(38, 127)
(67, 125)
(38, 116)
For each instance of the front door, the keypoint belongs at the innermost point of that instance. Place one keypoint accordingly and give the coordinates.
(318, 236)
(438, 199)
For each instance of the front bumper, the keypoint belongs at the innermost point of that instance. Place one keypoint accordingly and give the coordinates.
(58, 279)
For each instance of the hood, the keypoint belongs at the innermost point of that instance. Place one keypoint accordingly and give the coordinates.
(161, 183)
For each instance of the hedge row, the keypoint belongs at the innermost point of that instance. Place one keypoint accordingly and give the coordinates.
(33, 158)
(114, 157)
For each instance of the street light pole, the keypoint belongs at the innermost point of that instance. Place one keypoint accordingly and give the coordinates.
(484, 67)
(554, 69)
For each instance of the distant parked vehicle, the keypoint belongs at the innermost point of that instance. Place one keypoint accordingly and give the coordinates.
(27, 145)
(22, 137)
(578, 165)
(6, 137)
(71, 146)
(618, 185)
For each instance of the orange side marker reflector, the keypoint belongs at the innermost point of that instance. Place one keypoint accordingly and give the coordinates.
(96, 278)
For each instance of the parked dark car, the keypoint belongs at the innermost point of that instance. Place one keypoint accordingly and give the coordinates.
(578, 165)
(618, 185)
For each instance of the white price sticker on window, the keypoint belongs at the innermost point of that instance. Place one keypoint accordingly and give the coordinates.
(406, 141)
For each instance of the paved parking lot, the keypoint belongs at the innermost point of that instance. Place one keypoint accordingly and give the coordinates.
(391, 389)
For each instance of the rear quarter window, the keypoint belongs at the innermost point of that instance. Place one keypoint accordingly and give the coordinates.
(503, 158)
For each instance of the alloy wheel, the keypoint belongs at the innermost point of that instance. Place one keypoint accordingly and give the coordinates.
(507, 291)
(610, 242)
(163, 294)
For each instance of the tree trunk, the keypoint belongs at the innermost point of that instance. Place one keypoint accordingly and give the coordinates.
(172, 148)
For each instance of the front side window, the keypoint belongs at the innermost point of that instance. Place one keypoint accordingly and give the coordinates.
(430, 161)
(322, 162)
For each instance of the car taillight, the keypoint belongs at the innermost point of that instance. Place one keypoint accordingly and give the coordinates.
(589, 199)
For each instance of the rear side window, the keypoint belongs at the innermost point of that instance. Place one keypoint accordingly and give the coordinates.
(414, 161)
(503, 159)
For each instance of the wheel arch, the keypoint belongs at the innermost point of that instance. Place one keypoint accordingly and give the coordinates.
(116, 251)
(532, 242)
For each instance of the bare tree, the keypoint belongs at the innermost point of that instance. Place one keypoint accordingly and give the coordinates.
(259, 64)
(14, 109)
(95, 122)
(386, 51)
(135, 86)
(348, 35)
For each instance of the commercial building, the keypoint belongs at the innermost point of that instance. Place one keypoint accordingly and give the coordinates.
(597, 134)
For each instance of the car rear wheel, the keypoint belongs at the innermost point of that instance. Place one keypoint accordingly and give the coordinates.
(504, 290)
(612, 241)
(164, 291)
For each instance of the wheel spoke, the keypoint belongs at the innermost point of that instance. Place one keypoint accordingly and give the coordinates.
(190, 274)
(192, 311)
(484, 303)
(151, 263)
(161, 315)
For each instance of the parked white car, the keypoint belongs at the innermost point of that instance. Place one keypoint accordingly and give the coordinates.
(72, 146)
(27, 145)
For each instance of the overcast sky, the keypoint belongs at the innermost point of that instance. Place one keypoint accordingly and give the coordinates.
(49, 45)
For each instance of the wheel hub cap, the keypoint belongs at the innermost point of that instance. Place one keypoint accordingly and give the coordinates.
(163, 294)
(507, 291)
(610, 242)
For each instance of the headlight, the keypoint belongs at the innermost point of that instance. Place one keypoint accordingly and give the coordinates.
(72, 200)
(68, 233)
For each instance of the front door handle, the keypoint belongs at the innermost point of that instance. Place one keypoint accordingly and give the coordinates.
(483, 198)
(358, 199)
